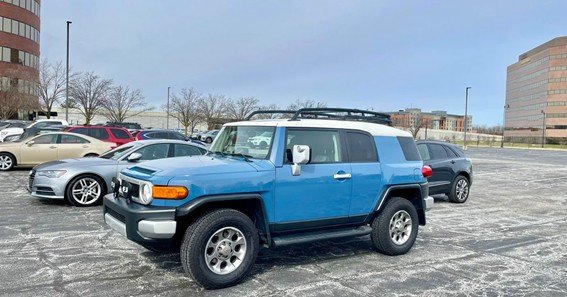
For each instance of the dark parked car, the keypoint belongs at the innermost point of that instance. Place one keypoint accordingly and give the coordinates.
(163, 134)
(452, 170)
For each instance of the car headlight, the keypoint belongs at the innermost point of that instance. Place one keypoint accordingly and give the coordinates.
(51, 173)
(146, 194)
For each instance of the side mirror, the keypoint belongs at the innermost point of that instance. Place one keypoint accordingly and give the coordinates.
(134, 157)
(30, 143)
(301, 155)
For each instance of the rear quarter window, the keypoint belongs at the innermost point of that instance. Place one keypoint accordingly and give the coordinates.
(361, 148)
(409, 148)
(120, 134)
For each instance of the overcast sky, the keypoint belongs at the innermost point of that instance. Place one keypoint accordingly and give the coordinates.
(380, 54)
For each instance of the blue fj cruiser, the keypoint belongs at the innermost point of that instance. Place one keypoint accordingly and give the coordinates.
(324, 173)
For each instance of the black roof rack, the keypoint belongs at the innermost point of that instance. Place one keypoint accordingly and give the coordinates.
(275, 111)
(345, 114)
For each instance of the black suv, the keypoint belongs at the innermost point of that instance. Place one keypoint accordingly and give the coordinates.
(452, 170)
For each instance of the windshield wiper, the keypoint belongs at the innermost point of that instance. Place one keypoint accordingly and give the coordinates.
(246, 157)
(217, 153)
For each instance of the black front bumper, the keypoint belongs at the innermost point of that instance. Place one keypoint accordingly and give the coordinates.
(130, 214)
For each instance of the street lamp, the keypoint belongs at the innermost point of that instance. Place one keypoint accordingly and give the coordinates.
(543, 130)
(466, 117)
(504, 125)
(67, 78)
(167, 124)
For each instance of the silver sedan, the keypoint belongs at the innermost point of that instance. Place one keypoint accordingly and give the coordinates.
(84, 181)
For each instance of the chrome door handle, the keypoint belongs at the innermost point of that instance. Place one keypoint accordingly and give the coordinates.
(342, 176)
(85, 146)
(52, 147)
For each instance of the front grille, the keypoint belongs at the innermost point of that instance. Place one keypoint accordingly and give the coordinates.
(30, 179)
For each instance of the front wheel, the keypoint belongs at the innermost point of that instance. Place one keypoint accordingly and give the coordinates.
(85, 191)
(219, 248)
(459, 190)
(394, 230)
(209, 140)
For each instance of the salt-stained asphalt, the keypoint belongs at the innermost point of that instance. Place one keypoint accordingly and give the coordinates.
(510, 239)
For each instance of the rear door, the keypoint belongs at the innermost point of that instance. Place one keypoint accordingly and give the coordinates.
(71, 146)
(120, 136)
(99, 133)
(366, 173)
(321, 194)
(440, 163)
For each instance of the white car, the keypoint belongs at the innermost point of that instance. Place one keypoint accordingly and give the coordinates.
(9, 132)
(262, 141)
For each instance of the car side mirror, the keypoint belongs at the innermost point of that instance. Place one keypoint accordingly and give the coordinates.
(301, 155)
(134, 157)
(30, 143)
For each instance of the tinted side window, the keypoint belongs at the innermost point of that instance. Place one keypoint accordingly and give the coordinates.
(361, 147)
(437, 151)
(182, 150)
(325, 145)
(175, 135)
(99, 133)
(409, 148)
(46, 139)
(424, 152)
(83, 131)
(120, 134)
(154, 151)
(72, 139)
(450, 152)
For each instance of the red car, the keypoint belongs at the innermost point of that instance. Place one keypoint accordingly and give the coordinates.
(116, 135)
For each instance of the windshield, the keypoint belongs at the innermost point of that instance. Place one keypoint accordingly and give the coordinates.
(116, 153)
(237, 140)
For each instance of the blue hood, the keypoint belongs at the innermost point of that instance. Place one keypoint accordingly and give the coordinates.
(187, 166)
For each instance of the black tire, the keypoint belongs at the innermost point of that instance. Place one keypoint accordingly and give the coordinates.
(380, 235)
(92, 201)
(461, 183)
(197, 235)
(7, 162)
(209, 140)
(263, 145)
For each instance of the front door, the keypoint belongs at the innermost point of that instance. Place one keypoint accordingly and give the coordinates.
(40, 149)
(321, 194)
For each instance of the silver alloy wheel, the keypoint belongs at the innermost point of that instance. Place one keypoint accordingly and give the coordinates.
(5, 162)
(400, 227)
(225, 250)
(86, 190)
(462, 189)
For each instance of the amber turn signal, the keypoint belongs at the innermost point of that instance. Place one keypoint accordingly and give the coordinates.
(169, 192)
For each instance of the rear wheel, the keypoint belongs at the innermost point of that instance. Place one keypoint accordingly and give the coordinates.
(86, 190)
(394, 230)
(209, 140)
(219, 248)
(7, 161)
(459, 190)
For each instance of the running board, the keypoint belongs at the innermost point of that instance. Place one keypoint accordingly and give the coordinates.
(320, 235)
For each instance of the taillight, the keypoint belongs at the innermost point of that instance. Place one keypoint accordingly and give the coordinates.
(426, 171)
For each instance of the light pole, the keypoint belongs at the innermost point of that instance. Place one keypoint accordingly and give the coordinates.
(543, 129)
(466, 117)
(67, 78)
(167, 125)
(503, 125)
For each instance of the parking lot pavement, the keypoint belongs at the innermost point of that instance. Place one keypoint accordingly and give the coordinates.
(510, 238)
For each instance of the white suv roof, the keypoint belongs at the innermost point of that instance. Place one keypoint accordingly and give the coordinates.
(372, 128)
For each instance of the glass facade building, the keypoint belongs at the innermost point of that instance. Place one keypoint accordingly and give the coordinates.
(536, 95)
(19, 46)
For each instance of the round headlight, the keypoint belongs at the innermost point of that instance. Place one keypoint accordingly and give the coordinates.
(146, 194)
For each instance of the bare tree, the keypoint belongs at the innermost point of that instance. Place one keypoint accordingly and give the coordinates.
(89, 94)
(17, 94)
(416, 123)
(123, 103)
(51, 86)
(240, 108)
(213, 108)
(305, 104)
(185, 108)
(269, 115)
